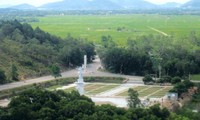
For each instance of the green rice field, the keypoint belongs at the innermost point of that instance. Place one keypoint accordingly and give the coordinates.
(120, 27)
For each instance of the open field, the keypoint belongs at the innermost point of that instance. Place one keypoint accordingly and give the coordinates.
(120, 27)
(148, 91)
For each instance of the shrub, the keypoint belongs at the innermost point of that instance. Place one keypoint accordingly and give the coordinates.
(176, 80)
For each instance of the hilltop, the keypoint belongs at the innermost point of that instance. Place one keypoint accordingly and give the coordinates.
(34, 51)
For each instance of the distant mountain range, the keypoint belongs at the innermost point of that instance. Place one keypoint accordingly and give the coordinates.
(134, 4)
(23, 6)
(107, 5)
(82, 5)
(192, 4)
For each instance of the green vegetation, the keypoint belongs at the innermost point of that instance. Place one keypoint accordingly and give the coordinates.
(151, 36)
(195, 77)
(14, 73)
(191, 108)
(175, 59)
(26, 52)
(133, 99)
(50, 85)
(182, 87)
(90, 87)
(161, 92)
(55, 71)
(147, 79)
(70, 89)
(52, 88)
(2, 77)
(176, 80)
(150, 91)
(120, 27)
(117, 80)
(58, 105)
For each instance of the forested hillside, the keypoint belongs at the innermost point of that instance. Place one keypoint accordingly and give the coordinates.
(27, 52)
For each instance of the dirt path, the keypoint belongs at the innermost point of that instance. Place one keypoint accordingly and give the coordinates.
(154, 29)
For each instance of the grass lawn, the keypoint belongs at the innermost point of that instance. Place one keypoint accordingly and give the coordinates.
(90, 87)
(195, 77)
(138, 88)
(101, 89)
(161, 93)
(148, 90)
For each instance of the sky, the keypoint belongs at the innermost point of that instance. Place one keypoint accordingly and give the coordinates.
(40, 2)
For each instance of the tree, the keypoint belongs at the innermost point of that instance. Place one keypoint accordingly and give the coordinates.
(147, 79)
(2, 77)
(167, 79)
(14, 73)
(55, 71)
(133, 100)
(182, 87)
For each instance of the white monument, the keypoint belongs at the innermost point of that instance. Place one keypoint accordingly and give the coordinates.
(80, 82)
(85, 63)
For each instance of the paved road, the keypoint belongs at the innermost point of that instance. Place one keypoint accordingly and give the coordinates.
(91, 71)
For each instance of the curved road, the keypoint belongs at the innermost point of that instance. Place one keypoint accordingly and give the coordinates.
(91, 71)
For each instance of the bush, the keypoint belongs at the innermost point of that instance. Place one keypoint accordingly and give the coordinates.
(2, 77)
(176, 80)
(167, 79)
(147, 79)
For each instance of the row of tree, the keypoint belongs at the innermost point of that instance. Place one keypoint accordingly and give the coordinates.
(165, 79)
(34, 52)
(151, 55)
